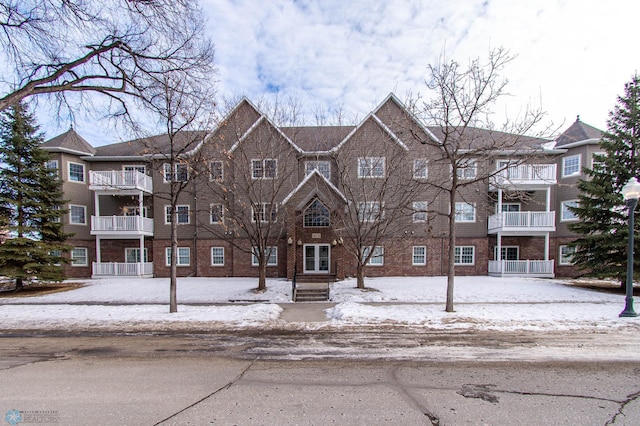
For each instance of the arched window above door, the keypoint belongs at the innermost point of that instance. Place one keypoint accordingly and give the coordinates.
(316, 215)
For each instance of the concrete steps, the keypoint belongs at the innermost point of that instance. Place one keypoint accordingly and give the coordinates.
(311, 292)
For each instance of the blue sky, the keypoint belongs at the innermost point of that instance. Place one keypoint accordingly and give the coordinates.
(574, 56)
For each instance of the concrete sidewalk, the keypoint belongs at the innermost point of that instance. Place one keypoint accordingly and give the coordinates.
(305, 312)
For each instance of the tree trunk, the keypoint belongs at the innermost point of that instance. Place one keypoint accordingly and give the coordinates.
(451, 268)
(19, 284)
(360, 276)
(262, 277)
(173, 281)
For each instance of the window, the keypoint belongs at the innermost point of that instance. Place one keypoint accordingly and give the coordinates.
(370, 211)
(183, 215)
(323, 167)
(264, 169)
(420, 211)
(52, 165)
(371, 167)
(272, 256)
(58, 216)
(76, 172)
(79, 257)
(598, 161)
(132, 255)
(217, 256)
(135, 168)
(77, 215)
(467, 170)
(183, 257)
(509, 207)
(216, 214)
(265, 212)
(508, 253)
(181, 172)
(216, 171)
(567, 214)
(464, 255)
(571, 166)
(419, 255)
(316, 215)
(465, 212)
(566, 255)
(377, 258)
(420, 168)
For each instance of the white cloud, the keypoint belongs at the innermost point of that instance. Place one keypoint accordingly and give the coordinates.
(574, 56)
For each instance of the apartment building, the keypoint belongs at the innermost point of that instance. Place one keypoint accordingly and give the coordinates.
(320, 196)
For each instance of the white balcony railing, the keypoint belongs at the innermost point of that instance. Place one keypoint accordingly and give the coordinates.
(526, 174)
(119, 180)
(114, 269)
(521, 268)
(121, 225)
(522, 222)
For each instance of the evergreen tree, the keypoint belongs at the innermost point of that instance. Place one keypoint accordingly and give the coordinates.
(30, 203)
(601, 249)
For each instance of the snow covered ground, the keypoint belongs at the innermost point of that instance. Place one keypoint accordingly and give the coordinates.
(482, 303)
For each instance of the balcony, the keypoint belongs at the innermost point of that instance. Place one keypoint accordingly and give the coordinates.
(121, 226)
(532, 176)
(521, 268)
(112, 269)
(522, 223)
(120, 181)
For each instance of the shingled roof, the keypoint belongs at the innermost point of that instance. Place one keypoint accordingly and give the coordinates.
(578, 132)
(69, 141)
(317, 139)
(159, 144)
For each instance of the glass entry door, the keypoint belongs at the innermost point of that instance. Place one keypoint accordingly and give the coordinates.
(316, 258)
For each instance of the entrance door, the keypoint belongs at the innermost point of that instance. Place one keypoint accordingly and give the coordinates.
(316, 258)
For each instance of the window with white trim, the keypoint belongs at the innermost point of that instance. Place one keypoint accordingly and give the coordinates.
(264, 169)
(216, 214)
(566, 255)
(370, 211)
(79, 257)
(183, 213)
(323, 167)
(508, 253)
(132, 255)
(371, 167)
(377, 258)
(419, 212)
(316, 215)
(77, 215)
(216, 171)
(135, 168)
(465, 212)
(272, 256)
(467, 170)
(76, 172)
(217, 256)
(419, 256)
(464, 255)
(420, 170)
(265, 212)
(180, 174)
(183, 256)
(571, 165)
(566, 213)
(52, 165)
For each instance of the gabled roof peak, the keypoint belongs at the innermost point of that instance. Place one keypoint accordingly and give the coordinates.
(69, 141)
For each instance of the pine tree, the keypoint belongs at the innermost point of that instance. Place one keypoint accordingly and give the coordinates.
(601, 249)
(30, 203)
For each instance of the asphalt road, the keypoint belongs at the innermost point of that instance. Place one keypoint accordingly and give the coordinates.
(307, 378)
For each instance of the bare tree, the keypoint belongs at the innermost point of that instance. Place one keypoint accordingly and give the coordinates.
(464, 141)
(375, 175)
(117, 48)
(253, 167)
(185, 110)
